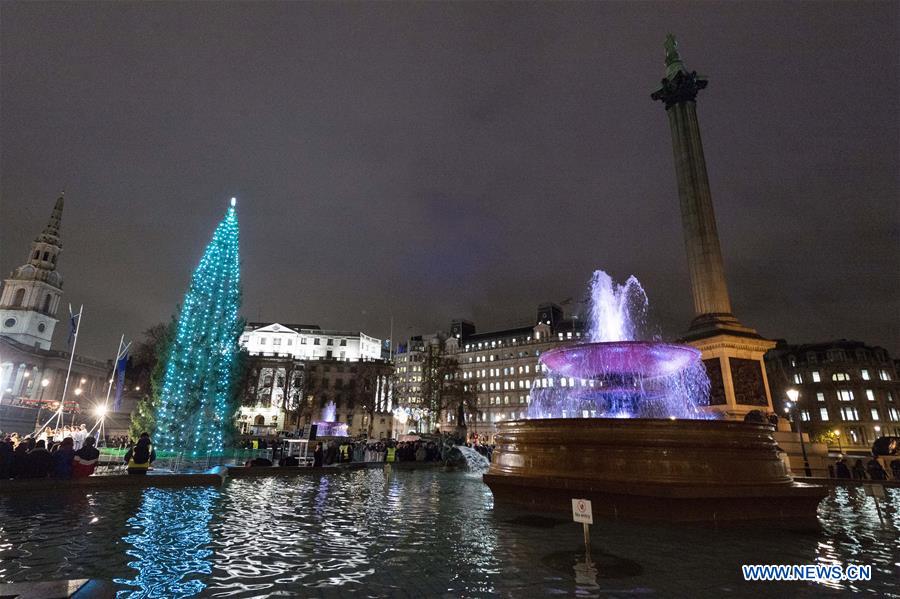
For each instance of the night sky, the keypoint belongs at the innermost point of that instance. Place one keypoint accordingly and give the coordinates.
(433, 161)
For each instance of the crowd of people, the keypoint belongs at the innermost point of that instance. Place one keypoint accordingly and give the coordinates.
(871, 470)
(42, 456)
(64, 453)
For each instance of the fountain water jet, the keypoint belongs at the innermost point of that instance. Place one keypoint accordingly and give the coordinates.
(327, 427)
(614, 374)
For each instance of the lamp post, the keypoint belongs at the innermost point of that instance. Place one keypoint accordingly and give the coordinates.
(793, 396)
(77, 394)
(837, 433)
(37, 418)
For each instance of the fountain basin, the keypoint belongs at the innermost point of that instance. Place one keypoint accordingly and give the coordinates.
(650, 469)
(620, 359)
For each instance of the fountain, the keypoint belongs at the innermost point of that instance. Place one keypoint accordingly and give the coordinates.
(621, 421)
(327, 427)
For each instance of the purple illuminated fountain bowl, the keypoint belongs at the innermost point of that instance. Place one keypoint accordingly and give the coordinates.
(644, 359)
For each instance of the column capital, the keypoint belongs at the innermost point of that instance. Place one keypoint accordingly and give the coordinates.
(680, 87)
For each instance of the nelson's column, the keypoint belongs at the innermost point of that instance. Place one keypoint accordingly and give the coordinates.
(732, 352)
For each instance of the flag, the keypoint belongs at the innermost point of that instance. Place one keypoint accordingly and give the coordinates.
(120, 379)
(73, 325)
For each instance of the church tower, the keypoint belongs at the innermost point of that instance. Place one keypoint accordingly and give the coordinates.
(31, 294)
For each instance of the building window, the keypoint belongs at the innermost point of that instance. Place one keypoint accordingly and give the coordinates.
(875, 414)
(317, 341)
(302, 340)
(815, 376)
(343, 343)
(9, 322)
(290, 342)
(823, 414)
(820, 397)
(804, 415)
(849, 413)
(18, 298)
(331, 342)
(276, 341)
(893, 414)
(845, 395)
(884, 375)
(262, 340)
(870, 395)
(798, 379)
(865, 375)
(840, 376)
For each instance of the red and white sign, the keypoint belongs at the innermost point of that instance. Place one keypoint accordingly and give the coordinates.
(581, 511)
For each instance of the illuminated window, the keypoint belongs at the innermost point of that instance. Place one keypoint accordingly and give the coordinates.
(804, 415)
(845, 395)
(893, 414)
(820, 397)
(815, 376)
(849, 413)
(798, 379)
(865, 375)
(840, 376)
(884, 375)
(823, 414)
(874, 413)
(870, 395)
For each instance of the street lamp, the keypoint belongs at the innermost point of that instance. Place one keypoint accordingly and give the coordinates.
(837, 433)
(37, 418)
(793, 396)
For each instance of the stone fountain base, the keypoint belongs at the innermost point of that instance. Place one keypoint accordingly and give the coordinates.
(670, 470)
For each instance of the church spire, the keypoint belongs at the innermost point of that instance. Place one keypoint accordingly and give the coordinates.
(31, 294)
(51, 231)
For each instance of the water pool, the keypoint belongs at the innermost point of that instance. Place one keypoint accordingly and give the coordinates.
(422, 533)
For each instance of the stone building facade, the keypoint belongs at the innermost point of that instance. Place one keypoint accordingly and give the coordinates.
(849, 391)
(297, 370)
(501, 365)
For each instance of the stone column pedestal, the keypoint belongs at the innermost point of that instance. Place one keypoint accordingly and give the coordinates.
(737, 373)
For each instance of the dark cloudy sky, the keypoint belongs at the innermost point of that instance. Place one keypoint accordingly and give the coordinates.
(438, 160)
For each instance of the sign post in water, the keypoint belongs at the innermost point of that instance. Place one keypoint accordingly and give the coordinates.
(876, 492)
(582, 512)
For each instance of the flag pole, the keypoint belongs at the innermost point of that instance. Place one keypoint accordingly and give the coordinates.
(62, 402)
(112, 376)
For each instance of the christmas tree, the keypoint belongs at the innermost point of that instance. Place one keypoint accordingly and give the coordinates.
(197, 390)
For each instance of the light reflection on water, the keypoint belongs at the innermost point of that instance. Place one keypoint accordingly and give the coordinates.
(410, 533)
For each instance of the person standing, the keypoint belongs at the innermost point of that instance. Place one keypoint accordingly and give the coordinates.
(63, 455)
(38, 461)
(841, 469)
(85, 460)
(318, 456)
(139, 457)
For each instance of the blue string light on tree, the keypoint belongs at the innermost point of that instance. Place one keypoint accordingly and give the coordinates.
(198, 377)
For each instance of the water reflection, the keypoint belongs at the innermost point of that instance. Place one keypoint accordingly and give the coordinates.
(169, 541)
(412, 533)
